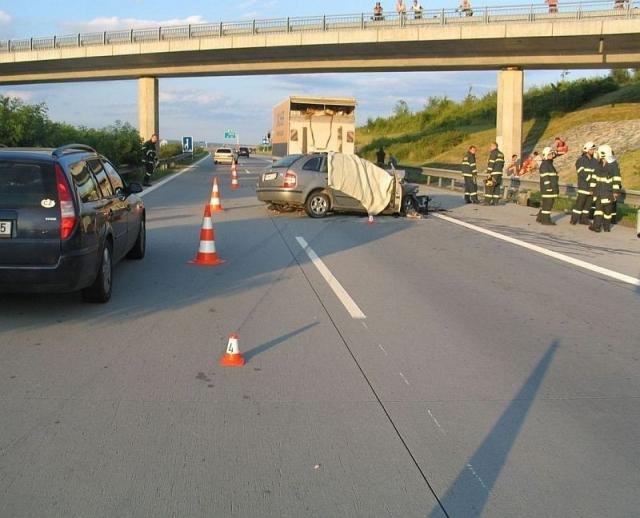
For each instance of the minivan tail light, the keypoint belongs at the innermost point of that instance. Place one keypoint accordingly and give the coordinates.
(67, 210)
(290, 179)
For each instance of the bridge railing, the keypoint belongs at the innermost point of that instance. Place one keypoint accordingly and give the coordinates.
(363, 21)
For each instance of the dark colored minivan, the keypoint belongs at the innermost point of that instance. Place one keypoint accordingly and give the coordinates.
(66, 217)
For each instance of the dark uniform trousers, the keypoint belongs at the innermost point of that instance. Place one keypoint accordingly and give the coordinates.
(492, 194)
(602, 214)
(580, 212)
(470, 189)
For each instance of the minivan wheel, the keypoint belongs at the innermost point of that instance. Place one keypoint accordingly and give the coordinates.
(317, 205)
(139, 247)
(100, 290)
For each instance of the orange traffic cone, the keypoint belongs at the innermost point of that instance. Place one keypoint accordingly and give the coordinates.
(215, 204)
(232, 356)
(207, 255)
(234, 178)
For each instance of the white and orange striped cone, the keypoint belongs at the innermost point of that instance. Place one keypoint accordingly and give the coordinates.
(235, 184)
(207, 255)
(216, 205)
(232, 356)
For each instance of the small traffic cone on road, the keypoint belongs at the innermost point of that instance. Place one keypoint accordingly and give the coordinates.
(235, 184)
(370, 220)
(207, 255)
(232, 356)
(216, 205)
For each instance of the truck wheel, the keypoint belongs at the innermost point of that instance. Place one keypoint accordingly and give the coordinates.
(317, 205)
(100, 290)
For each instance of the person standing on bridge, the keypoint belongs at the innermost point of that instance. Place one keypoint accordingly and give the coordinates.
(553, 6)
(401, 9)
(149, 158)
(377, 12)
(469, 173)
(549, 187)
(417, 10)
(586, 167)
(495, 167)
(608, 183)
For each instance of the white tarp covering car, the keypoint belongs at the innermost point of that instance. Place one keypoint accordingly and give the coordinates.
(362, 180)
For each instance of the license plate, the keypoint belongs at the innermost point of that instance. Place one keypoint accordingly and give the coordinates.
(5, 228)
(269, 176)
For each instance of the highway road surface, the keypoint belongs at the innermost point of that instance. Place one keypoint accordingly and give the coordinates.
(409, 368)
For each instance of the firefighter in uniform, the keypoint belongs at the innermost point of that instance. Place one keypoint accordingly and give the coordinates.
(149, 158)
(586, 167)
(494, 173)
(469, 173)
(608, 183)
(549, 187)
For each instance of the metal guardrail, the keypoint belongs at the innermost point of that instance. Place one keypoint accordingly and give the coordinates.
(450, 179)
(163, 164)
(431, 17)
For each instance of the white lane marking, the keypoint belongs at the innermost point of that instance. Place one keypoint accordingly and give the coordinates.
(172, 177)
(576, 262)
(477, 476)
(437, 423)
(382, 349)
(405, 379)
(364, 324)
(333, 283)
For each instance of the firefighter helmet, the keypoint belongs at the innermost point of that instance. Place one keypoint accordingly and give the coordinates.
(548, 153)
(604, 151)
(588, 145)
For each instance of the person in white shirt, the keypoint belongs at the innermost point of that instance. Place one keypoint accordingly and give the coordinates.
(417, 10)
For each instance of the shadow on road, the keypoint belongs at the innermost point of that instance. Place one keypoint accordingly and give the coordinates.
(251, 353)
(468, 494)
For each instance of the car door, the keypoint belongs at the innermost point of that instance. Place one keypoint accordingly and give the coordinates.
(343, 201)
(116, 209)
(133, 204)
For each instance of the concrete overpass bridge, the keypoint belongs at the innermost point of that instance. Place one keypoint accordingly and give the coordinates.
(509, 39)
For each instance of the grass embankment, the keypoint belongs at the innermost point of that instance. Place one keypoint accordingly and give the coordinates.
(596, 109)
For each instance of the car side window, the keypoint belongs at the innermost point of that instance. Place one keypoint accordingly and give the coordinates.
(84, 181)
(101, 176)
(114, 177)
(313, 164)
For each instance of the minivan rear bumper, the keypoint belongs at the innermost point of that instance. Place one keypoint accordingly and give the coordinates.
(71, 273)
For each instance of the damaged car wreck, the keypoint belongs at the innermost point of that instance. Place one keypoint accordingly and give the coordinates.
(321, 183)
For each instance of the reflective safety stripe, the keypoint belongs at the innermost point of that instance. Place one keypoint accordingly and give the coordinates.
(606, 200)
(576, 211)
(598, 213)
(545, 212)
(607, 216)
(583, 192)
(549, 195)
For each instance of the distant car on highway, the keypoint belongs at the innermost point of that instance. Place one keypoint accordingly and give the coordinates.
(301, 181)
(66, 217)
(243, 151)
(223, 155)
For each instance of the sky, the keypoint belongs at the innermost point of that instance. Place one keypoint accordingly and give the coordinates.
(205, 107)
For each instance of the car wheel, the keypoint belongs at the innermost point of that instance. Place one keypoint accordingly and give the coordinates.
(317, 205)
(408, 205)
(100, 290)
(140, 246)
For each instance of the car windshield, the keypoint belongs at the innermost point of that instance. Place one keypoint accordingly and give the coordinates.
(26, 183)
(286, 161)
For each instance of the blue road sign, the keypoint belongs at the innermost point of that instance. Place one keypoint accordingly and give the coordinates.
(187, 144)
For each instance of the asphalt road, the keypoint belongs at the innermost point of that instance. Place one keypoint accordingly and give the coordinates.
(468, 389)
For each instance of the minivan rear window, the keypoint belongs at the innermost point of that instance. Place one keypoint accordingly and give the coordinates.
(26, 183)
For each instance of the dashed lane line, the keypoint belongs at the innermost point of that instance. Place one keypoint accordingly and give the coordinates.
(333, 283)
(535, 248)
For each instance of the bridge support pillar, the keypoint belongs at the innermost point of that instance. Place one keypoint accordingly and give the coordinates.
(148, 107)
(509, 119)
